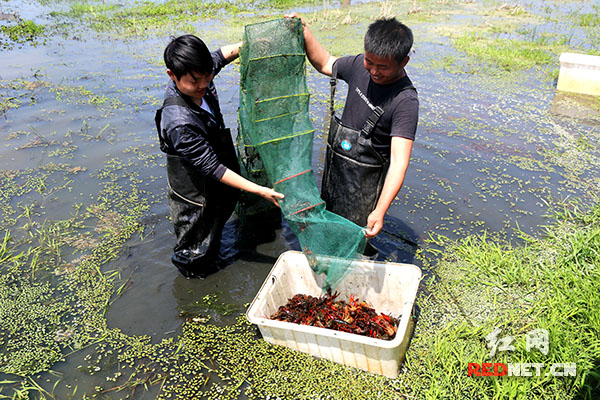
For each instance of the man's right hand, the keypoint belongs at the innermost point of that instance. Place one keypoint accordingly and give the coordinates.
(317, 55)
(295, 15)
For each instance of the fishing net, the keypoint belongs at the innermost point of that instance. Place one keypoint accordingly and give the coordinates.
(277, 134)
(252, 208)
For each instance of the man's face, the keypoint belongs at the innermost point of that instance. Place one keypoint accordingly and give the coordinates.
(383, 71)
(193, 84)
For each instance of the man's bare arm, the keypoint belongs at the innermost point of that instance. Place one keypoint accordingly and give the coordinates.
(399, 158)
(231, 51)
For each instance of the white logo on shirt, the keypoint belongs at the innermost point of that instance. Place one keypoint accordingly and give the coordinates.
(362, 96)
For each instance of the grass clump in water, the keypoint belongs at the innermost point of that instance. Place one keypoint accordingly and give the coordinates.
(149, 18)
(509, 55)
(587, 19)
(24, 31)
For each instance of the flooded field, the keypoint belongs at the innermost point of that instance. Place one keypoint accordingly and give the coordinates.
(91, 306)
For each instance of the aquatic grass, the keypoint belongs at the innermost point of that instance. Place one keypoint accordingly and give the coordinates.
(464, 305)
(474, 290)
(284, 4)
(37, 307)
(509, 55)
(555, 288)
(209, 303)
(223, 362)
(83, 9)
(586, 19)
(81, 94)
(148, 18)
(8, 103)
(25, 91)
(17, 93)
(571, 153)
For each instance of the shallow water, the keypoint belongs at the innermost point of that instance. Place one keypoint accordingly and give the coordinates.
(487, 158)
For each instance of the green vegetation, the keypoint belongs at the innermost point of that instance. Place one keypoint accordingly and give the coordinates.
(509, 55)
(50, 303)
(587, 20)
(20, 91)
(8, 103)
(83, 95)
(550, 283)
(22, 32)
(16, 93)
(148, 18)
(60, 275)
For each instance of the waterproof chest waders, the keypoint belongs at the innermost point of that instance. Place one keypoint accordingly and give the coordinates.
(200, 206)
(354, 171)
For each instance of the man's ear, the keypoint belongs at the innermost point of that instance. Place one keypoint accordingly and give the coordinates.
(405, 61)
(171, 75)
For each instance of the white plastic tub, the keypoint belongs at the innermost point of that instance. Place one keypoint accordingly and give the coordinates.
(579, 73)
(389, 287)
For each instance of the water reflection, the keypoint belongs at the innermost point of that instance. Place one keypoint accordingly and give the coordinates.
(582, 107)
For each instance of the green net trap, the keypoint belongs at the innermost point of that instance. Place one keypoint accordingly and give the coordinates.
(275, 140)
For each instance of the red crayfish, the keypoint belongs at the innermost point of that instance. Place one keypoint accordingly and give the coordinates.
(325, 311)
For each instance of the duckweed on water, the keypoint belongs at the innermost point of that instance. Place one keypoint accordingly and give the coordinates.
(56, 283)
(224, 362)
(208, 303)
(46, 311)
(19, 33)
(548, 284)
(51, 303)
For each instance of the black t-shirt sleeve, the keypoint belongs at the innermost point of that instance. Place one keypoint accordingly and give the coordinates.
(345, 67)
(219, 61)
(405, 116)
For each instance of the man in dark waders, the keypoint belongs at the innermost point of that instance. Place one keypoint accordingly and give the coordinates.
(369, 149)
(202, 167)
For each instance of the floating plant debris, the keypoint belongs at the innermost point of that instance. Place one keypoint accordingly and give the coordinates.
(325, 311)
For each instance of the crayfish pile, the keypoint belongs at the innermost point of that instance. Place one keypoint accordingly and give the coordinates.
(353, 316)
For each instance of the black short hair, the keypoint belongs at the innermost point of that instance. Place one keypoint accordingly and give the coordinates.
(387, 38)
(186, 54)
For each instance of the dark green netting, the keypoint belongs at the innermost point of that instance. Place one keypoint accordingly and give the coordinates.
(274, 123)
(252, 206)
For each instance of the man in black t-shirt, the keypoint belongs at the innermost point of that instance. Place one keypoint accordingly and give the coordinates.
(375, 78)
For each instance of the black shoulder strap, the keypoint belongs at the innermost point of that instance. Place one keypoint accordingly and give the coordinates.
(378, 111)
(373, 118)
(332, 85)
(370, 123)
